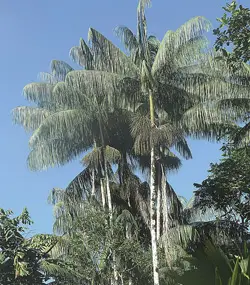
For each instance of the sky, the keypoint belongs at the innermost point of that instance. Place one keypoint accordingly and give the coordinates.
(34, 32)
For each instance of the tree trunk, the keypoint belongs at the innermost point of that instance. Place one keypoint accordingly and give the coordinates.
(102, 193)
(164, 201)
(158, 212)
(115, 279)
(129, 237)
(108, 190)
(153, 197)
(93, 183)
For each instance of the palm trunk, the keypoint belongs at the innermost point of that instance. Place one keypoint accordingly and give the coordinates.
(153, 197)
(93, 183)
(164, 201)
(114, 280)
(108, 190)
(103, 194)
(129, 237)
(165, 210)
(158, 212)
(93, 191)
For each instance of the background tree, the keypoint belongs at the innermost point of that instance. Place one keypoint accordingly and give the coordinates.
(227, 188)
(25, 261)
(233, 37)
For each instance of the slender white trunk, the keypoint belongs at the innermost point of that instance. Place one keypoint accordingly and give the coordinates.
(115, 279)
(108, 193)
(164, 201)
(93, 191)
(93, 183)
(129, 237)
(158, 211)
(153, 197)
(102, 193)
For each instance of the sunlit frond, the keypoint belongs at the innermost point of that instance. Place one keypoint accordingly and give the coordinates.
(47, 78)
(56, 195)
(38, 92)
(96, 85)
(127, 37)
(54, 153)
(172, 41)
(108, 57)
(191, 29)
(29, 117)
(82, 55)
(60, 69)
(64, 124)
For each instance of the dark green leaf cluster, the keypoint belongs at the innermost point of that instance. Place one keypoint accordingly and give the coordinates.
(233, 34)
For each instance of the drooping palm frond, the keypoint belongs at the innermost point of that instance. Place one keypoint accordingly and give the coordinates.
(241, 137)
(56, 195)
(29, 117)
(62, 125)
(128, 38)
(54, 152)
(47, 78)
(172, 41)
(60, 69)
(182, 147)
(97, 84)
(109, 58)
(165, 135)
(38, 92)
(82, 55)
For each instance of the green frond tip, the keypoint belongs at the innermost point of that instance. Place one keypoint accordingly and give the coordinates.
(38, 92)
(108, 57)
(145, 3)
(60, 69)
(29, 117)
(95, 158)
(54, 153)
(127, 37)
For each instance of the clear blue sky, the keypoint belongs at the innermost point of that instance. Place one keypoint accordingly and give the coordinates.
(33, 33)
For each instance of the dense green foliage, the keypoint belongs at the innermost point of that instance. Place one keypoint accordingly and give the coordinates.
(22, 259)
(227, 188)
(234, 34)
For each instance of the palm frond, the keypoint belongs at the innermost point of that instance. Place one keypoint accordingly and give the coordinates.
(191, 29)
(60, 69)
(38, 92)
(127, 37)
(64, 124)
(182, 147)
(103, 86)
(172, 41)
(108, 57)
(47, 78)
(242, 136)
(82, 55)
(54, 153)
(29, 117)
